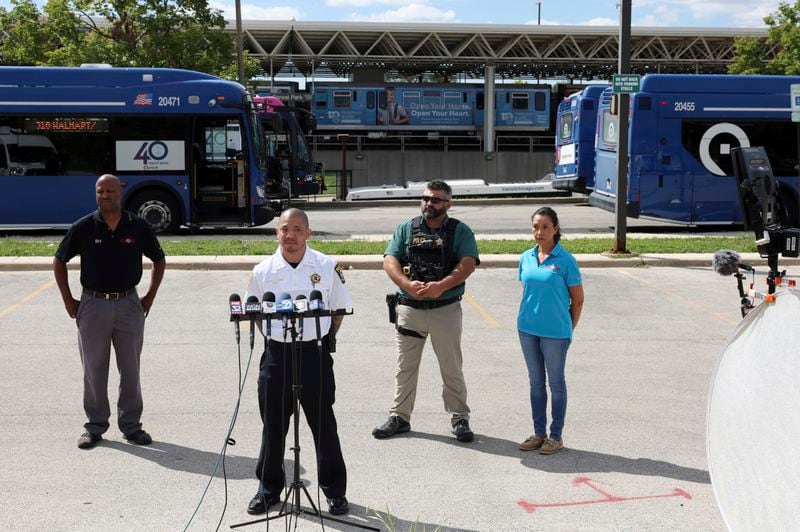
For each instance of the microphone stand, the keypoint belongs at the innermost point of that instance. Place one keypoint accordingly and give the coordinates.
(297, 485)
(746, 304)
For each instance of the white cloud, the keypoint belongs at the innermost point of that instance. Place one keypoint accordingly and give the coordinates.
(599, 21)
(748, 13)
(409, 13)
(255, 12)
(361, 3)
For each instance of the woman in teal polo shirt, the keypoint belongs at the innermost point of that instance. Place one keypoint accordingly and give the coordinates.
(551, 305)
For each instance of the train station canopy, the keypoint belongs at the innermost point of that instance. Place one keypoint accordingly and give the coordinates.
(339, 49)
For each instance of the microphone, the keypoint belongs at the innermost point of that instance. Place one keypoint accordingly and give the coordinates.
(235, 307)
(252, 309)
(726, 262)
(315, 301)
(300, 307)
(268, 309)
(284, 307)
(315, 305)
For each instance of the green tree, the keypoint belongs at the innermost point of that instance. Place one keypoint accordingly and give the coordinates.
(252, 69)
(783, 35)
(153, 33)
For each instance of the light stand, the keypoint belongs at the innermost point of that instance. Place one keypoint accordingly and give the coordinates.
(297, 485)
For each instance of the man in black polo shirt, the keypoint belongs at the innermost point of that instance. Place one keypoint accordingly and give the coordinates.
(110, 242)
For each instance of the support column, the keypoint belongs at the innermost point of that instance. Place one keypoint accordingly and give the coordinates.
(488, 111)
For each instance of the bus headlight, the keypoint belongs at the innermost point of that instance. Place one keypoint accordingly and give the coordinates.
(261, 192)
(16, 170)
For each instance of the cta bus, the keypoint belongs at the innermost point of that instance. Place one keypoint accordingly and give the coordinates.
(187, 146)
(286, 144)
(682, 130)
(576, 123)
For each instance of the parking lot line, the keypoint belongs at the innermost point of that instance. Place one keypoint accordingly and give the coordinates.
(27, 298)
(485, 314)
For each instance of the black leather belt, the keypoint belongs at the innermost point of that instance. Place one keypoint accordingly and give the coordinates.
(109, 295)
(426, 304)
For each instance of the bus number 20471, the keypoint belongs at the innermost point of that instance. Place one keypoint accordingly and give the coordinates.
(169, 101)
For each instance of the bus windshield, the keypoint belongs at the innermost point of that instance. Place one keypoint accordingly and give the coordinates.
(258, 134)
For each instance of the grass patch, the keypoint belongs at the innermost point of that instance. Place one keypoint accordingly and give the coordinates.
(743, 244)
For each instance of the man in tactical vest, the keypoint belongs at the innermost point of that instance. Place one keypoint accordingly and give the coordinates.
(429, 259)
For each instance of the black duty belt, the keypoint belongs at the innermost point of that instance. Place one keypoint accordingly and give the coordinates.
(426, 304)
(109, 295)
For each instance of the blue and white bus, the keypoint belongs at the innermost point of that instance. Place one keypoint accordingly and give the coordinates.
(428, 107)
(682, 130)
(576, 123)
(186, 145)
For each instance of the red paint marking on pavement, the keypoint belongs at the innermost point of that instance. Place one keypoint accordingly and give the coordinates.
(588, 482)
(531, 507)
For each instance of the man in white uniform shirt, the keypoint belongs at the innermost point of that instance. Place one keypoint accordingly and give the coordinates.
(297, 269)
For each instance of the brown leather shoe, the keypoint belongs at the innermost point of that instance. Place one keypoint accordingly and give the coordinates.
(532, 443)
(551, 446)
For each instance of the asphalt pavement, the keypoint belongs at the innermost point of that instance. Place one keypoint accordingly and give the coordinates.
(638, 373)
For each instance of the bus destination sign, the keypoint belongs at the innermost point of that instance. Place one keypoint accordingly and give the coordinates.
(66, 125)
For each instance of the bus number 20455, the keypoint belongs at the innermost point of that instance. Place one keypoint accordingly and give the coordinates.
(684, 106)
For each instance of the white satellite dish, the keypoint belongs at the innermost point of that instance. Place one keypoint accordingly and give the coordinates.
(753, 432)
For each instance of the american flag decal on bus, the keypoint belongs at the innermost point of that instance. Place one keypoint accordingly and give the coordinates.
(144, 99)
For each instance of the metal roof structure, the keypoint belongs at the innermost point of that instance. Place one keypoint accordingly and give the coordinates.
(518, 51)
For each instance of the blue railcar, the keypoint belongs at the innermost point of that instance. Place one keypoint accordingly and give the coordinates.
(186, 145)
(420, 107)
(682, 130)
(576, 123)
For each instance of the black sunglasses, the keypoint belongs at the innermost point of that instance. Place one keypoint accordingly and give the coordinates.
(433, 199)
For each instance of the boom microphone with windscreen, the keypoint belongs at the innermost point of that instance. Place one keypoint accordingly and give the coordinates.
(727, 262)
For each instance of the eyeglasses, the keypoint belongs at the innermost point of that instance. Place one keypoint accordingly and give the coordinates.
(433, 199)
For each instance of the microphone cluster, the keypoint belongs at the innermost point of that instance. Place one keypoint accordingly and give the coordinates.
(283, 307)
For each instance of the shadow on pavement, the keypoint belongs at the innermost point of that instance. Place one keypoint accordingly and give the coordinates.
(576, 461)
(189, 460)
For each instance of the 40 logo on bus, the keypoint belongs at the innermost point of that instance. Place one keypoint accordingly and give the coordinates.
(150, 155)
(151, 151)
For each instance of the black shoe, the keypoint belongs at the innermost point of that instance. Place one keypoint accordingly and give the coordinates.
(88, 440)
(462, 431)
(257, 506)
(393, 425)
(139, 437)
(338, 506)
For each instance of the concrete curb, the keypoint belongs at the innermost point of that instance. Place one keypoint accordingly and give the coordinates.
(312, 204)
(375, 262)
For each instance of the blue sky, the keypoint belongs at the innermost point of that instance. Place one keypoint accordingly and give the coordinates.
(705, 13)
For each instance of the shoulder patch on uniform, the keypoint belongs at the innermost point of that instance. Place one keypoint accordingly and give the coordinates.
(340, 272)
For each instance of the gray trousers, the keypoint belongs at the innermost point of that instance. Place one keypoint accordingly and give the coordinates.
(100, 323)
(443, 325)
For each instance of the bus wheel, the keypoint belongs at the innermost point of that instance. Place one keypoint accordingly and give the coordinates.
(159, 209)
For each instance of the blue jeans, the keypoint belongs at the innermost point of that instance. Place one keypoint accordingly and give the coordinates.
(546, 356)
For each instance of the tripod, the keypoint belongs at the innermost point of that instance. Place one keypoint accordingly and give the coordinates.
(292, 504)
